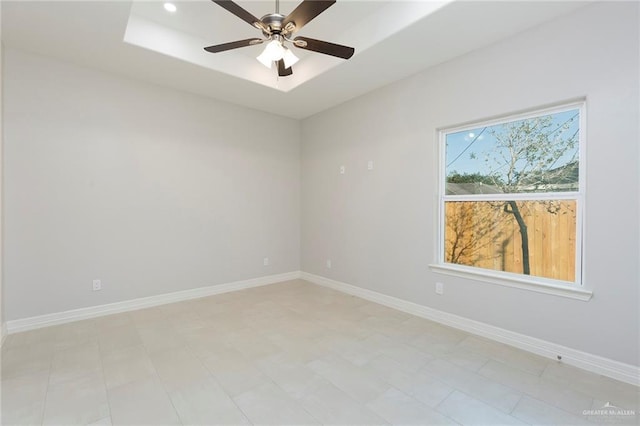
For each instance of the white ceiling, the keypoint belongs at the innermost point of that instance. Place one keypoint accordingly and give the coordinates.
(393, 39)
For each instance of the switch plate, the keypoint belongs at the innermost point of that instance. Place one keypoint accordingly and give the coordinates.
(97, 285)
(342, 170)
(439, 288)
(265, 261)
(370, 165)
(328, 263)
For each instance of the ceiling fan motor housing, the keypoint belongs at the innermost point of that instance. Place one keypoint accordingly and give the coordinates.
(273, 25)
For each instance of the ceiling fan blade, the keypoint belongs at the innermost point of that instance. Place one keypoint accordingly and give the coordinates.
(306, 11)
(338, 50)
(282, 71)
(239, 12)
(233, 45)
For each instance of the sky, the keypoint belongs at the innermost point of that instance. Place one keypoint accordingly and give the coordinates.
(461, 147)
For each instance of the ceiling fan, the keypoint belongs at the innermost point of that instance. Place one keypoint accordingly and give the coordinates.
(278, 29)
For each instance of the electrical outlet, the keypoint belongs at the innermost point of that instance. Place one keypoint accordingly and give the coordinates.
(265, 261)
(328, 263)
(97, 285)
(439, 288)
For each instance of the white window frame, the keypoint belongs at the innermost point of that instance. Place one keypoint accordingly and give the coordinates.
(576, 289)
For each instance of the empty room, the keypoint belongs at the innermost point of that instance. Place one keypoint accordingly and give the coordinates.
(300, 212)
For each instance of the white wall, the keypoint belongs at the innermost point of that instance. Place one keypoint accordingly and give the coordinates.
(148, 189)
(379, 227)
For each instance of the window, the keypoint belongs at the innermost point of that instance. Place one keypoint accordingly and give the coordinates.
(511, 197)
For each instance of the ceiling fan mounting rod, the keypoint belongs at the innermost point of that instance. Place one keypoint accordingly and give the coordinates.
(272, 23)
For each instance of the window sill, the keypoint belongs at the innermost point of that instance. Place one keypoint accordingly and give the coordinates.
(515, 281)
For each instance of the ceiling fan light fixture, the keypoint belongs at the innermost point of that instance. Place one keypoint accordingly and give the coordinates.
(265, 59)
(289, 58)
(274, 51)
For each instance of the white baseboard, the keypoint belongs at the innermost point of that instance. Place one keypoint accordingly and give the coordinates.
(40, 321)
(594, 363)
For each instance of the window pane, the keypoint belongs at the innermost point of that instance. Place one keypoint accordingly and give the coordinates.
(538, 154)
(487, 234)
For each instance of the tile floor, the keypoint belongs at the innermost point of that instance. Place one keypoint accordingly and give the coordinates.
(288, 353)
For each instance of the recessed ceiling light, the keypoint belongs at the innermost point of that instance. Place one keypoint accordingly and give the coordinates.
(170, 7)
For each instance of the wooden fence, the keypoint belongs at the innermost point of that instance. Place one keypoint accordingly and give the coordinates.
(482, 234)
